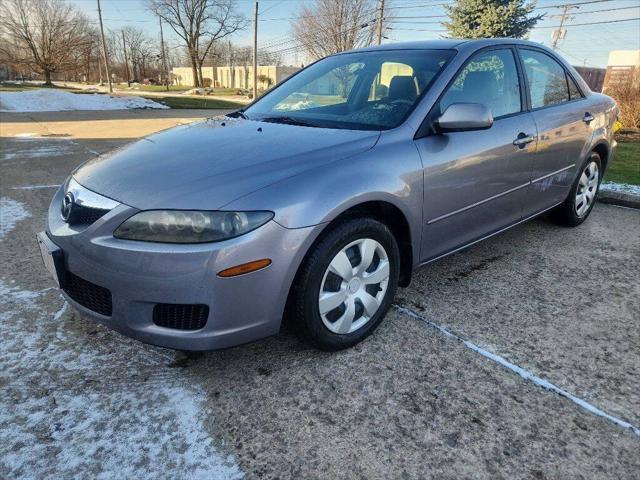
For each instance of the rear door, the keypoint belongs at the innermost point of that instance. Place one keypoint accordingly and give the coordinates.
(475, 182)
(564, 126)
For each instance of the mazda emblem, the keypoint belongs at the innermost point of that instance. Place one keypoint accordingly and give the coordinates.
(67, 206)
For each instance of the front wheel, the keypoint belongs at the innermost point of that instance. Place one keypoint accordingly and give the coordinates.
(346, 284)
(582, 197)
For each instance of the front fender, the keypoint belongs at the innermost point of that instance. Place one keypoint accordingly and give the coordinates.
(390, 172)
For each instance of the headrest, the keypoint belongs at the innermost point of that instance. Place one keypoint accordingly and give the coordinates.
(403, 87)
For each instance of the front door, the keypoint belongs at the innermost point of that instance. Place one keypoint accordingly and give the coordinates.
(475, 182)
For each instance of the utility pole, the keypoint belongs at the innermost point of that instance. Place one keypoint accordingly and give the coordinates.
(232, 73)
(126, 59)
(164, 58)
(559, 33)
(104, 49)
(380, 21)
(255, 52)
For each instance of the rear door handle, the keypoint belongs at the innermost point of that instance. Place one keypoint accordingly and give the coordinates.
(588, 118)
(523, 139)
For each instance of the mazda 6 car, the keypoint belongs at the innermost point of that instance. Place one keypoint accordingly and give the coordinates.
(315, 202)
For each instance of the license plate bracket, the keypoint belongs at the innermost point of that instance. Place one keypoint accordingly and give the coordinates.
(52, 257)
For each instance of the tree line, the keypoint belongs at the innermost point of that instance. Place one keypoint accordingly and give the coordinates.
(52, 38)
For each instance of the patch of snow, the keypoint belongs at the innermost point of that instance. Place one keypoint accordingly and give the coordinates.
(61, 148)
(34, 187)
(620, 188)
(15, 294)
(141, 431)
(11, 212)
(106, 408)
(525, 374)
(48, 100)
(197, 91)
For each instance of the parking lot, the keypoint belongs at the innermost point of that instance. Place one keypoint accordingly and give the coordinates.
(451, 385)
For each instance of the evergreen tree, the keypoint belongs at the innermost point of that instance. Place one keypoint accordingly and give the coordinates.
(491, 18)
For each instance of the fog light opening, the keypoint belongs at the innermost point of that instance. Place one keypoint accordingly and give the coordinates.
(245, 268)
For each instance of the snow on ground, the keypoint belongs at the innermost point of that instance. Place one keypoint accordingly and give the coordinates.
(50, 100)
(11, 212)
(621, 188)
(77, 404)
(49, 147)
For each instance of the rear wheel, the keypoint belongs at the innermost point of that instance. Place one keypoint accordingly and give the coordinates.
(346, 284)
(582, 197)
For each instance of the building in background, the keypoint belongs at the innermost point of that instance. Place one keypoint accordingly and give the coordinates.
(623, 66)
(235, 77)
(594, 77)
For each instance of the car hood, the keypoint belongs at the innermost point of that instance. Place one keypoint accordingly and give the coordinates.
(206, 165)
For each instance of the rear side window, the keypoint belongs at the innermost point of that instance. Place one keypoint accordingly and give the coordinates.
(490, 78)
(574, 91)
(546, 77)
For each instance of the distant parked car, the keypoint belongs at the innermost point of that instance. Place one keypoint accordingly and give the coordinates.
(206, 235)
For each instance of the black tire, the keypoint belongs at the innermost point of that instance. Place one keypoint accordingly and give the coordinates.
(303, 312)
(566, 214)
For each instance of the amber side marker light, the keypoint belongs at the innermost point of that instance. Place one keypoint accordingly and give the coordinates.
(245, 268)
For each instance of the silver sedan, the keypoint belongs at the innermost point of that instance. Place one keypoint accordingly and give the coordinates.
(314, 203)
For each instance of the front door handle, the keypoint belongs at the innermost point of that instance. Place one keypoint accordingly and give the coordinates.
(523, 139)
(588, 118)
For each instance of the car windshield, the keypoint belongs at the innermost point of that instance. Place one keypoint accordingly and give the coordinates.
(362, 90)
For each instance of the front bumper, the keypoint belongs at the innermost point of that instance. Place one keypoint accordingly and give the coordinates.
(140, 275)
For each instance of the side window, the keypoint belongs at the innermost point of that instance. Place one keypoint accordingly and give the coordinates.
(490, 78)
(546, 77)
(574, 91)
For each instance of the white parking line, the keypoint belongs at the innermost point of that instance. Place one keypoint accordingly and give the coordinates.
(541, 382)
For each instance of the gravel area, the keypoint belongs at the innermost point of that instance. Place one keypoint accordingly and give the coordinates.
(80, 401)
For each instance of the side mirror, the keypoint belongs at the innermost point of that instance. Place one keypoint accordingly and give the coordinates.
(464, 117)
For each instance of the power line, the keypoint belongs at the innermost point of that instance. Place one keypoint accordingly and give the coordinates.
(594, 23)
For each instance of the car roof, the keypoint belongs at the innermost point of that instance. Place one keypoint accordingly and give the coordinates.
(450, 43)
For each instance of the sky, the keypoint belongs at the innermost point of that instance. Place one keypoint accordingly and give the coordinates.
(584, 45)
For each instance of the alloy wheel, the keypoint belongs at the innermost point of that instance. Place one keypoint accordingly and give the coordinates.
(353, 286)
(587, 189)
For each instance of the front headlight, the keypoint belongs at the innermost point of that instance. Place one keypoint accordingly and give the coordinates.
(189, 226)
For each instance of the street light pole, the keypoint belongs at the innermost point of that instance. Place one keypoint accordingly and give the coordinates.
(104, 49)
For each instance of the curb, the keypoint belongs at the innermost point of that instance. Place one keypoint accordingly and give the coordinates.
(619, 198)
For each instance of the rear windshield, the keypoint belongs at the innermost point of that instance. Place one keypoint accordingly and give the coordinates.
(361, 90)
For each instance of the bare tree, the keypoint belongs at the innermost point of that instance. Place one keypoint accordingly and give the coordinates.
(199, 23)
(46, 35)
(142, 51)
(330, 26)
(266, 57)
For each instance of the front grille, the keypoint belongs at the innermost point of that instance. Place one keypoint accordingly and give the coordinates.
(180, 316)
(87, 294)
(86, 215)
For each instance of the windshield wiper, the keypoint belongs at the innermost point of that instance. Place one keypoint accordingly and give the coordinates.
(287, 120)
